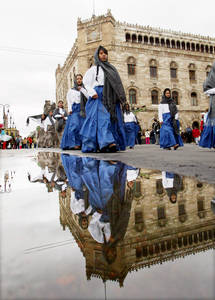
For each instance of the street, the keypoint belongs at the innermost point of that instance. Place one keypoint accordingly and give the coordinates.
(190, 160)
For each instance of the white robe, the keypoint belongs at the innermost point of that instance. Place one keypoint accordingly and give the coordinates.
(90, 81)
(167, 182)
(130, 117)
(132, 175)
(78, 206)
(74, 96)
(164, 109)
(95, 228)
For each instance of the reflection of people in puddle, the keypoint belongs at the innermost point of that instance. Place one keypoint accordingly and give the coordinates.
(118, 209)
(73, 167)
(172, 183)
(111, 199)
(98, 177)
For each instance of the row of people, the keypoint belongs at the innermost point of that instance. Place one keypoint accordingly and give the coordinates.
(99, 119)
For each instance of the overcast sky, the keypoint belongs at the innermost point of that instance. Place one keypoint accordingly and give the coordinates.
(36, 35)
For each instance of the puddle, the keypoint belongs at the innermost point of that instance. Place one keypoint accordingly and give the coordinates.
(80, 228)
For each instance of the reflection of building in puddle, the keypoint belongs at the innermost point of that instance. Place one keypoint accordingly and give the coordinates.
(6, 181)
(158, 230)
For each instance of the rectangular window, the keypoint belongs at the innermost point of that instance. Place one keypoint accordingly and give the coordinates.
(161, 213)
(138, 217)
(173, 73)
(153, 71)
(181, 210)
(192, 75)
(131, 69)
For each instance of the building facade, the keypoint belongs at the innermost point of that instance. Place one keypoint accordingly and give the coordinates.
(148, 60)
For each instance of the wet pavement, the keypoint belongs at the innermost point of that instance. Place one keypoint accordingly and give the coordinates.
(80, 228)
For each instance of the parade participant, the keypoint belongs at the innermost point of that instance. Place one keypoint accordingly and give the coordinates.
(71, 138)
(50, 134)
(168, 117)
(130, 123)
(78, 202)
(103, 127)
(172, 183)
(208, 135)
(60, 116)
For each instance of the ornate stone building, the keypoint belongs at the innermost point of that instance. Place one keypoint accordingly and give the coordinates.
(148, 60)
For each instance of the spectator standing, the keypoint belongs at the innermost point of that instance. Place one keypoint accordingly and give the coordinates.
(156, 128)
(196, 135)
(147, 135)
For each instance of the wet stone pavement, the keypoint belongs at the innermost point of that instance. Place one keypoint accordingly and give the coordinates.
(81, 228)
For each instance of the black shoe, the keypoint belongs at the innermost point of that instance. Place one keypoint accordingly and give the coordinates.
(103, 150)
(112, 149)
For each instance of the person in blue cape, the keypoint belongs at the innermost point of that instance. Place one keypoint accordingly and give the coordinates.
(207, 139)
(103, 128)
(71, 138)
(131, 127)
(168, 117)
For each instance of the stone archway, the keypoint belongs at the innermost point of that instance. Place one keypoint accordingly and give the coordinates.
(195, 124)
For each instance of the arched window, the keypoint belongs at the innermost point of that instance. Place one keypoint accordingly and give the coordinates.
(154, 96)
(202, 48)
(162, 42)
(175, 97)
(208, 70)
(140, 39)
(132, 96)
(173, 43)
(146, 39)
(183, 45)
(211, 49)
(197, 47)
(134, 38)
(206, 48)
(194, 101)
(173, 70)
(153, 68)
(193, 47)
(131, 62)
(168, 43)
(178, 44)
(157, 41)
(188, 46)
(151, 40)
(192, 72)
(127, 37)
